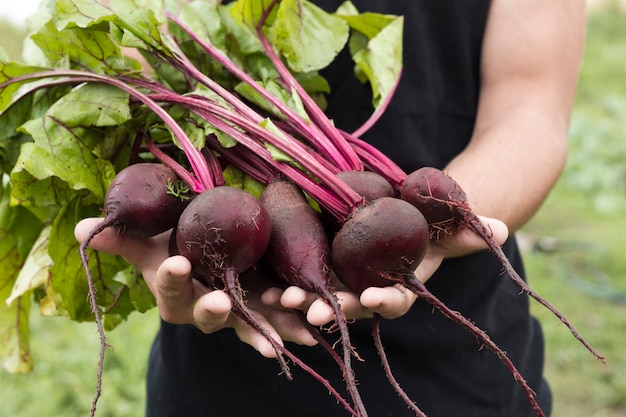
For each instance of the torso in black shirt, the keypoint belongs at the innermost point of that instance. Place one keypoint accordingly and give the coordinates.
(440, 364)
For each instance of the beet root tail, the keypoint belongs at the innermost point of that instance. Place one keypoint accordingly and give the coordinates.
(418, 287)
(481, 230)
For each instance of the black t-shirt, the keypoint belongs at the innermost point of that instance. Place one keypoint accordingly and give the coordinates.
(440, 364)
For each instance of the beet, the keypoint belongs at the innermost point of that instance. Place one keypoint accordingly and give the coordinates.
(222, 228)
(379, 244)
(224, 232)
(368, 184)
(439, 198)
(299, 253)
(447, 210)
(142, 201)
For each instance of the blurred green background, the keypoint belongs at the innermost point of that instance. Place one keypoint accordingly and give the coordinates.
(574, 250)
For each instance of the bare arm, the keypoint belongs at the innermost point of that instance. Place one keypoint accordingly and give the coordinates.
(531, 56)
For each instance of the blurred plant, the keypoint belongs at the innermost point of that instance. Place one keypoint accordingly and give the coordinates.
(597, 158)
(11, 38)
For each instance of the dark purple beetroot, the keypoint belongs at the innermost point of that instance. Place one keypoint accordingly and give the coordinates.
(379, 244)
(446, 208)
(299, 253)
(140, 202)
(438, 197)
(223, 227)
(368, 184)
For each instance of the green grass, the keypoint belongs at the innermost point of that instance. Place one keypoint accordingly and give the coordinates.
(63, 382)
(582, 273)
(581, 231)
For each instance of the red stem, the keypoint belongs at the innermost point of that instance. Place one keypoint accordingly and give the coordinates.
(312, 132)
(379, 111)
(387, 368)
(343, 199)
(418, 287)
(481, 230)
(240, 308)
(346, 159)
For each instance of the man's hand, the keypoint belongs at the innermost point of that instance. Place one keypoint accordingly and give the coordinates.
(390, 302)
(182, 299)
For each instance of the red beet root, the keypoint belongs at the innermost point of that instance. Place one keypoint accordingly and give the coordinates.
(142, 201)
(222, 228)
(299, 252)
(223, 232)
(379, 244)
(445, 205)
(368, 184)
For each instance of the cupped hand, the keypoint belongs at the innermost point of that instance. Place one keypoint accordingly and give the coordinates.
(182, 299)
(393, 301)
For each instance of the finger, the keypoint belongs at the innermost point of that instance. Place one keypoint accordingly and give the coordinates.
(212, 311)
(390, 302)
(174, 290)
(466, 240)
(255, 339)
(109, 240)
(320, 313)
(429, 265)
(271, 297)
(291, 326)
(297, 298)
(499, 229)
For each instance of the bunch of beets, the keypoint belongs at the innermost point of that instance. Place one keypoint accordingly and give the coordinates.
(331, 204)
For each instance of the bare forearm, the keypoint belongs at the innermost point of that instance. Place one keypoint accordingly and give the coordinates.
(532, 51)
(508, 173)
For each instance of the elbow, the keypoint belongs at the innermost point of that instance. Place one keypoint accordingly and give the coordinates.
(559, 156)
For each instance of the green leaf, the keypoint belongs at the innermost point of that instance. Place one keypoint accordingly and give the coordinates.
(9, 73)
(313, 82)
(308, 37)
(276, 153)
(376, 48)
(81, 13)
(253, 186)
(25, 108)
(93, 48)
(14, 336)
(240, 40)
(369, 24)
(66, 153)
(202, 18)
(141, 297)
(235, 177)
(43, 197)
(292, 100)
(142, 23)
(68, 277)
(92, 105)
(34, 272)
(248, 13)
